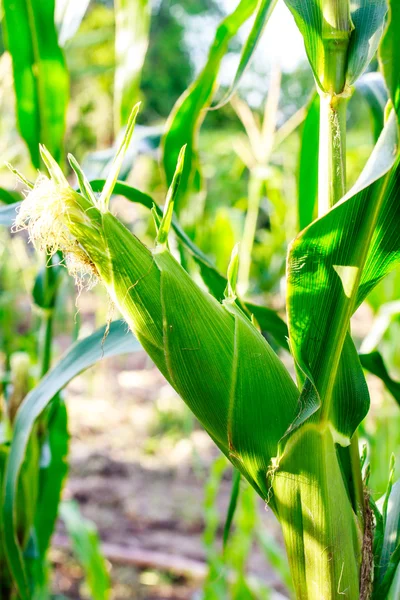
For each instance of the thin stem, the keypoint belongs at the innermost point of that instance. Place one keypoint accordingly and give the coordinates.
(332, 152)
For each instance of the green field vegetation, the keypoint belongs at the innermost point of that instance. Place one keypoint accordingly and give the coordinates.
(183, 201)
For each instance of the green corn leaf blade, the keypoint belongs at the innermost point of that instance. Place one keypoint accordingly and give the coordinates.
(123, 189)
(132, 27)
(241, 544)
(87, 549)
(270, 323)
(331, 268)
(83, 183)
(389, 55)
(51, 477)
(53, 470)
(232, 506)
(9, 197)
(264, 11)
(371, 86)
(188, 114)
(119, 158)
(165, 225)
(40, 74)
(375, 364)
(390, 553)
(394, 590)
(378, 532)
(8, 214)
(79, 357)
(215, 585)
(4, 572)
(359, 32)
(68, 17)
(369, 22)
(308, 166)
(26, 504)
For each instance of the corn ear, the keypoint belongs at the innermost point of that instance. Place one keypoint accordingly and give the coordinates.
(211, 353)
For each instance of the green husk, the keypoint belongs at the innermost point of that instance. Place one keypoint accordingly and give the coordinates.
(211, 353)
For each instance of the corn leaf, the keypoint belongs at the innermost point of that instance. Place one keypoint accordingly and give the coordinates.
(40, 75)
(264, 11)
(53, 470)
(188, 114)
(368, 19)
(51, 476)
(231, 507)
(374, 363)
(390, 553)
(132, 26)
(331, 268)
(389, 55)
(308, 166)
(369, 22)
(372, 88)
(79, 357)
(270, 323)
(86, 547)
(9, 197)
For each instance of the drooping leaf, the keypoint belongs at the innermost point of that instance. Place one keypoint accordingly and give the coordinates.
(40, 74)
(264, 11)
(389, 55)
(132, 25)
(372, 87)
(369, 22)
(9, 197)
(271, 323)
(79, 357)
(333, 264)
(308, 165)
(390, 553)
(232, 506)
(188, 114)
(374, 363)
(51, 477)
(53, 470)
(86, 546)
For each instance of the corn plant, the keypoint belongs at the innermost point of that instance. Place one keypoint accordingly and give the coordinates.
(294, 441)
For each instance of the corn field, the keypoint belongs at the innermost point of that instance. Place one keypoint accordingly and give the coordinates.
(237, 221)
